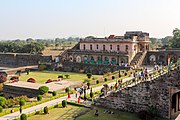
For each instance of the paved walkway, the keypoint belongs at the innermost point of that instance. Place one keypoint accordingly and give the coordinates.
(50, 103)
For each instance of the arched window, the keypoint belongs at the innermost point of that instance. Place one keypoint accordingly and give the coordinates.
(118, 48)
(110, 47)
(127, 47)
(90, 47)
(104, 48)
(84, 46)
(97, 47)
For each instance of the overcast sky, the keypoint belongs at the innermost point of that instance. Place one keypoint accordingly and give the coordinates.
(21, 19)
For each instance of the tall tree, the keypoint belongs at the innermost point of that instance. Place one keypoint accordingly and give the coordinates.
(175, 41)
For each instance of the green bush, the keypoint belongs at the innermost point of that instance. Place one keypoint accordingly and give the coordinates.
(1, 109)
(64, 103)
(46, 110)
(113, 77)
(67, 76)
(60, 76)
(76, 104)
(54, 93)
(105, 79)
(67, 89)
(3, 101)
(43, 89)
(23, 117)
(22, 102)
(39, 97)
(97, 82)
(89, 75)
(91, 94)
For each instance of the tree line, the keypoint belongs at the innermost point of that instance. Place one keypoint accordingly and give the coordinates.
(168, 41)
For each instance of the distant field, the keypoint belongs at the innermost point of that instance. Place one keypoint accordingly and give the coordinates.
(43, 76)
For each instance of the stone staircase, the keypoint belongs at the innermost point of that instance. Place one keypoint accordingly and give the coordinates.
(138, 59)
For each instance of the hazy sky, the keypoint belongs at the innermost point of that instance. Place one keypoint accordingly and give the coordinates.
(62, 18)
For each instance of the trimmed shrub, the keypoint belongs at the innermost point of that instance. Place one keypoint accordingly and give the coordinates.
(91, 94)
(3, 102)
(56, 106)
(105, 79)
(67, 89)
(37, 112)
(113, 77)
(67, 76)
(1, 109)
(21, 102)
(46, 110)
(27, 70)
(97, 81)
(54, 93)
(64, 103)
(89, 75)
(23, 117)
(60, 76)
(32, 80)
(39, 97)
(49, 81)
(43, 89)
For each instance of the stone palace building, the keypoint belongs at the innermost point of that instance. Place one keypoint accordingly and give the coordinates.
(113, 51)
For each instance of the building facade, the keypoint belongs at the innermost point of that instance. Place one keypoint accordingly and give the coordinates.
(111, 51)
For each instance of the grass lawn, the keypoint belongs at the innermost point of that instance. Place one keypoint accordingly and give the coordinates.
(43, 76)
(59, 113)
(105, 116)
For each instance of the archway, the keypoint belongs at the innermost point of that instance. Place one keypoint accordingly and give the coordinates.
(71, 58)
(113, 61)
(175, 104)
(78, 59)
(92, 60)
(161, 59)
(85, 59)
(106, 60)
(152, 59)
(99, 60)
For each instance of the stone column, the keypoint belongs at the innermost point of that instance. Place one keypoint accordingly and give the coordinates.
(177, 101)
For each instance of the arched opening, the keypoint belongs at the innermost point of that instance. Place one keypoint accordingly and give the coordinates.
(78, 59)
(106, 60)
(152, 59)
(92, 60)
(175, 104)
(90, 47)
(99, 60)
(161, 59)
(71, 58)
(113, 61)
(85, 59)
(118, 48)
(104, 47)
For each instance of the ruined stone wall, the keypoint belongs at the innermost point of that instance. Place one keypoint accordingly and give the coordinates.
(18, 59)
(156, 93)
(92, 68)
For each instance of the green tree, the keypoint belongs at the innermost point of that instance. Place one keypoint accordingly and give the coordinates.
(43, 89)
(3, 101)
(175, 41)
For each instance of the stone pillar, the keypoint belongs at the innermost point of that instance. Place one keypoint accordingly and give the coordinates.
(177, 101)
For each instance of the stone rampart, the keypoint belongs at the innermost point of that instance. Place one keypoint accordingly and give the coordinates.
(22, 59)
(157, 93)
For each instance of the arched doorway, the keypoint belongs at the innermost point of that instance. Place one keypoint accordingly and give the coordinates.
(113, 61)
(175, 104)
(152, 59)
(161, 59)
(92, 60)
(99, 60)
